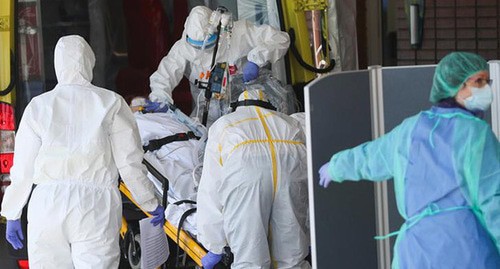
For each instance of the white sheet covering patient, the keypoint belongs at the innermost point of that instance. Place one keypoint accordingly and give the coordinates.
(178, 161)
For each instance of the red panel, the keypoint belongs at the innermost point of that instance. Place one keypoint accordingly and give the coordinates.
(6, 160)
(182, 96)
(23, 264)
(182, 93)
(132, 82)
(6, 117)
(148, 41)
(180, 15)
(147, 33)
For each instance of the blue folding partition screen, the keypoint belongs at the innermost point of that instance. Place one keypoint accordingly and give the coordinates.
(342, 111)
(343, 226)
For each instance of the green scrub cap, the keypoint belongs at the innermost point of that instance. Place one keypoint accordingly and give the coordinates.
(452, 71)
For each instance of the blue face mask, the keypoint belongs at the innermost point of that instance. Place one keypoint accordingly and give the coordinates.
(480, 99)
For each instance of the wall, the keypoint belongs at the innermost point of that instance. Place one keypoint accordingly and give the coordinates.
(450, 25)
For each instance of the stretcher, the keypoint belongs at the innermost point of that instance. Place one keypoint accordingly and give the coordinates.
(189, 245)
(160, 151)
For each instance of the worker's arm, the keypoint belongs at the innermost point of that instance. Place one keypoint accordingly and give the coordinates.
(27, 146)
(128, 155)
(267, 43)
(169, 74)
(372, 160)
(209, 213)
(488, 186)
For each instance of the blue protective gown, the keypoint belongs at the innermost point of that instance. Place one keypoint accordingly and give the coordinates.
(446, 168)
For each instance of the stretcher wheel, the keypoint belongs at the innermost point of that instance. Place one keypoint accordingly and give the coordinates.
(134, 252)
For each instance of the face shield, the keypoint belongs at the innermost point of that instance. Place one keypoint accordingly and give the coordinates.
(202, 26)
(196, 25)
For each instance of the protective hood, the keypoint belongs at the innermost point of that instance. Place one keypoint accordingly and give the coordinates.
(73, 60)
(197, 22)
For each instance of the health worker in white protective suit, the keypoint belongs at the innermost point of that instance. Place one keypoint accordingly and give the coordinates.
(192, 55)
(72, 143)
(253, 190)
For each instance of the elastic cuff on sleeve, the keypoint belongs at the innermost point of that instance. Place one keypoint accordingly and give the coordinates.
(217, 251)
(255, 61)
(150, 205)
(162, 98)
(331, 170)
(11, 215)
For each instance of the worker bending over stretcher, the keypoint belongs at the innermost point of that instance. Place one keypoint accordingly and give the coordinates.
(253, 190)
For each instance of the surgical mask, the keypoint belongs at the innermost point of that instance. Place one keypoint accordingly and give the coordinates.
(480, 99)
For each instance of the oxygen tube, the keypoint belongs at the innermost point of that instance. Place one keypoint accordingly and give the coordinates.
(215, 25)
(208, 88)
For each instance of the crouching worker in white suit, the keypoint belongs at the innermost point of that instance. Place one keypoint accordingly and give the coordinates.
(72, 142)
(253, 190)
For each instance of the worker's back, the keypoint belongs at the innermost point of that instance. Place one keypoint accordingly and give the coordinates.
(74, 123)
(259, 131)
(255, 182)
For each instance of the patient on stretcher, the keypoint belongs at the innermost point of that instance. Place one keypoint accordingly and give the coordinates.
(176, 153)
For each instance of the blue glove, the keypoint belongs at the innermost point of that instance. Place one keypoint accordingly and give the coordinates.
(324, 176)
(250, 71)
(158, 215)
(153, 107)
(14, 233)
(210, 260)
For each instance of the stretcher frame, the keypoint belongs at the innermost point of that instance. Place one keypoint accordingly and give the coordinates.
(194, 250)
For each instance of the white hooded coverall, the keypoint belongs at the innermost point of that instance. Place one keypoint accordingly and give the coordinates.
(260, 44)
(253, 190)
(72, 142)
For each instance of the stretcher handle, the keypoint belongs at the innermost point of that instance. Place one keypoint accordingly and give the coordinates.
(162, 178)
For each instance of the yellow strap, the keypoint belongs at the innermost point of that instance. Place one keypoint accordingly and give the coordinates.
(258, 141)
(271, 148)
